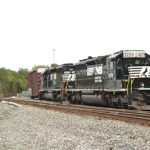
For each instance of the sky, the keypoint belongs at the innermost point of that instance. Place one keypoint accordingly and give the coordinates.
(76, 29)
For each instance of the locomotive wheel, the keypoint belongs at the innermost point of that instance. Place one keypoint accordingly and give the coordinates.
(120, 101)
(72, 99)
(58, 98)
(109, 99)
(41, 96)
(55, 96)
(79, 99)
(76, 99)
(32, 97)
(125, 106)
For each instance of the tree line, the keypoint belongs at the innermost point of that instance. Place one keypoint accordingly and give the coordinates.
(13, 82)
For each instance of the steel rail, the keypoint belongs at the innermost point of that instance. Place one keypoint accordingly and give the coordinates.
(117, 114)
(135, 112)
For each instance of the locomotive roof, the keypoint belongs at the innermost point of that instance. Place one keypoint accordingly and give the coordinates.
(84, 61)
(89, 59)
(108, 57)
(116, 54)
(68, 64)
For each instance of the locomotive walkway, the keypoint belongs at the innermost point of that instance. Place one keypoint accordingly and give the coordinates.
(131, 116)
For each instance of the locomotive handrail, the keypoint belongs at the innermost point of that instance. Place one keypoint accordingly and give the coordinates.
(130, 82)
(63, 87)
(128, 86)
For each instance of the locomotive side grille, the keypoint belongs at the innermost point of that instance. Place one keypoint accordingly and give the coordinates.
(139, 72)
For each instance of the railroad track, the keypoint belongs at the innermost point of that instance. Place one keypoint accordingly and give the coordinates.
(132, 116)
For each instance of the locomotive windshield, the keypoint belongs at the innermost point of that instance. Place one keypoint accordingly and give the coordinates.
(136, 62)
(123, 64)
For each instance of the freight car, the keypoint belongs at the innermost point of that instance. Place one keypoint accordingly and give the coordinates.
(34, 82)
(120, 80)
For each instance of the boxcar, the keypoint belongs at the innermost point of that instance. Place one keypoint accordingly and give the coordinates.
(34, 82)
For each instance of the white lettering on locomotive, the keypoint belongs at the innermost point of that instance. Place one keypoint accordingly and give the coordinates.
(134, 54)
(69, 77)
(94, 70)
(53, 76)
(139, 72)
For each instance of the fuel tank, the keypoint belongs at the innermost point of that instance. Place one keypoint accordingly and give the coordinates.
(94, 99)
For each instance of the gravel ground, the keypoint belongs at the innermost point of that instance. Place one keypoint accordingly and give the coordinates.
(28, 128)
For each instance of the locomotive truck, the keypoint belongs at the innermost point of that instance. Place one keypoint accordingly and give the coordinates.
(120, 80)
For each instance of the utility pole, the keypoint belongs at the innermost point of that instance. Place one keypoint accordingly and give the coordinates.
(53, 56)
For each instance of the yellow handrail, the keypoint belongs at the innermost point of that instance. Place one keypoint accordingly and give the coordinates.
(130, 82)
(63, 87)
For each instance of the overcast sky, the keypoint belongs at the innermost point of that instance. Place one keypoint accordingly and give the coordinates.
(76, 29)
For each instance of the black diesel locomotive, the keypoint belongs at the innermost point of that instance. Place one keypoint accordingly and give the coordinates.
(118, 80)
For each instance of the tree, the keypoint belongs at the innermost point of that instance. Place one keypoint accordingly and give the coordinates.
(12, 82)
(54, 65)
(23, 72)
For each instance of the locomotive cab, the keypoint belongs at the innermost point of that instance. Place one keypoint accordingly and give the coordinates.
(129, 72)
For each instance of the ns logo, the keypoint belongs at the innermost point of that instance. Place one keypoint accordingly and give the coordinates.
(145, 72)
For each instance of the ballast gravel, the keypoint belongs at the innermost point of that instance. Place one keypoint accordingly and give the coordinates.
(29, 128)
